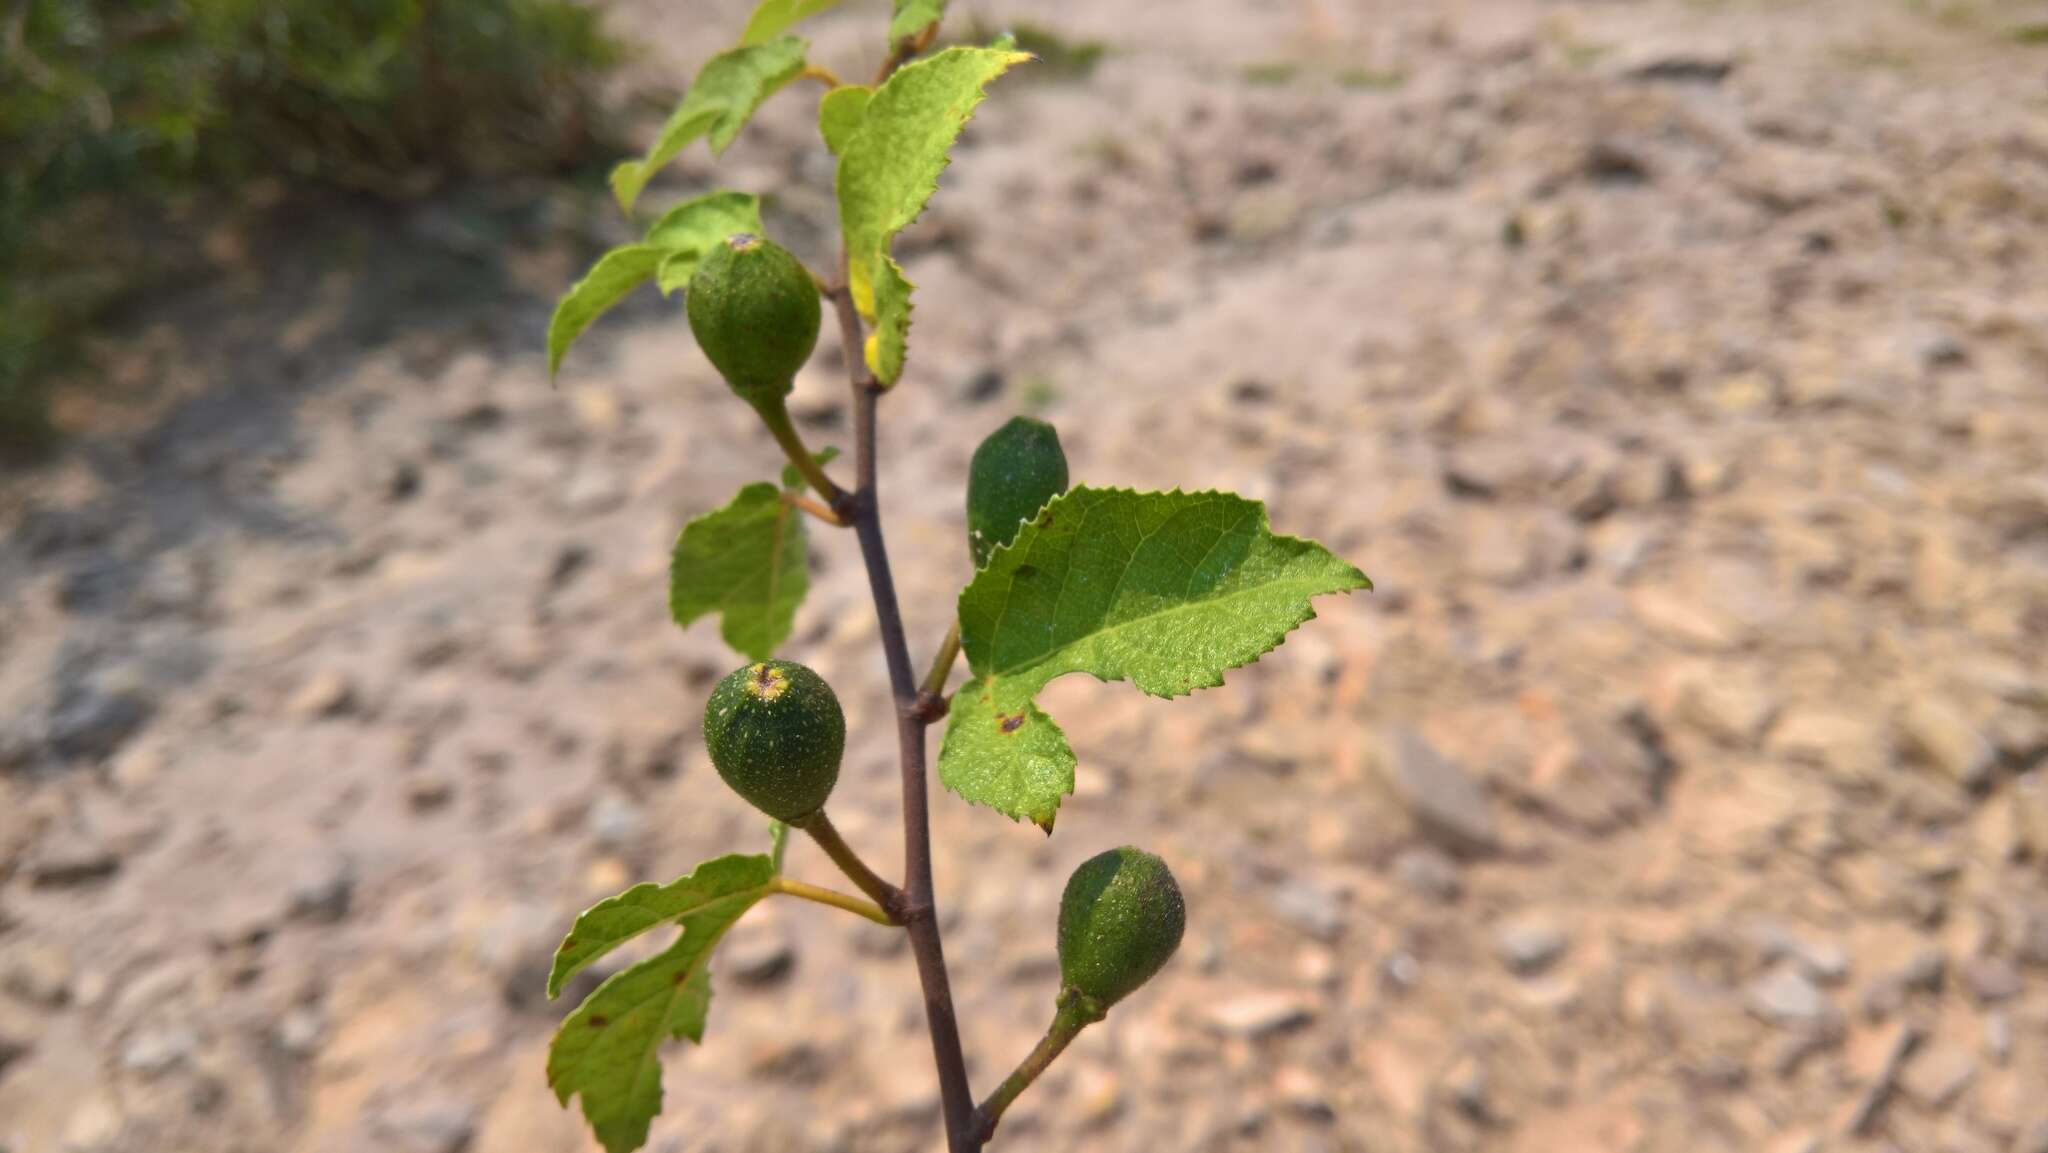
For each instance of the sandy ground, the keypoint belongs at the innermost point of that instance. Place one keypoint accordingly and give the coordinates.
(1678, 370)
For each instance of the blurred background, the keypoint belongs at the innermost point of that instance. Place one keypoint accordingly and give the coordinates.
(1677, 368)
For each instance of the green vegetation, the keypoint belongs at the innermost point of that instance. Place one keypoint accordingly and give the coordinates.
(109, 108)
(1167, 590)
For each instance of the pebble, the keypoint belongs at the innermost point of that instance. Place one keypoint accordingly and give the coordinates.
(1992, 979)
(325, 694)
(1467, 1086)
(155, 1051)
(1530, 944)
(428, 791)
(1310, 907)
(72, 860)
(433, 1127)
(1733, 710)
(1444, 799)
(1945, 739)
(90, 723)
(756, 954)
(1824, 961)
(1936, 1078)
(300, 1032)
(1261, 1014)
(1429, 873)
(323, 891)
(615, 822)
(1787, 997)
(1998, 1037)
(39, 974)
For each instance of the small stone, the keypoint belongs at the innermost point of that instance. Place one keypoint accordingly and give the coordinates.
(1788, 998)
(1300, 1090)
(428, 791)
(1443, 798)
(1466, 1085)
(1992, 979)
(1262, 1014)
(90, 723)
(155, 1051)
(1733, 710)
(325, 694)
(1311, 908)
(1998, 1037)
(1947, 740)
(1683, 621)
(615, 822)
(1936, 1078)
(434, 1127)
(1825, 961)
(72, 861)
(756, 954)
(1428, 873)
(1847, 745)
(1530, 944)
(323, 892)
(301, 1031)
(38, 974)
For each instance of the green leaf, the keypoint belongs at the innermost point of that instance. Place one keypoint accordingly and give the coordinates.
(840, 112)
(890, 167)
(728, 89)
(914, 16)
(1164, 589)
(749, 563)
(794, 480)
(615, 920)
(772, 18)
(608, 1050)
(687, 231)
(615, 274)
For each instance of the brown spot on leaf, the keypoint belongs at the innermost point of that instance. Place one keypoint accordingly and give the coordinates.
(599, 1020)
(1010, 723)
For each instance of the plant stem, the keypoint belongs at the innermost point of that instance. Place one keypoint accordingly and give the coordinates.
(811, 505)
(920, 909)
(775, 414)
(888, 896)
(1067, 1024)
(837, 900)
(942, 662)
(822, 75)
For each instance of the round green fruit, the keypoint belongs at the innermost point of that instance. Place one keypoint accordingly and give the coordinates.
(755, 313)
(1120, 919)
(775, 733)
(1014, 473)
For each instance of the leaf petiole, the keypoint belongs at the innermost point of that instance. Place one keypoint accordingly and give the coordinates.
(817, 509)
(1074, 1014)
(837, 900)
(822, 75)
(821, 830)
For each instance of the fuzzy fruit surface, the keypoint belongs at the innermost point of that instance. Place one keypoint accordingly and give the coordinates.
(1014, 473)
(755, 313)
(775, 733)
(1121, 917)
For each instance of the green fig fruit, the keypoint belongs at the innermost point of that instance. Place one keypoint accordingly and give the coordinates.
(1121, 917)
(755, 313)
(775, 733)
(1014, 473)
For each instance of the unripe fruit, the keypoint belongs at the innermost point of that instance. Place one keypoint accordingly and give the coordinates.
(775, 733)
(755, 313)
(1121, 917)
(1014, 473)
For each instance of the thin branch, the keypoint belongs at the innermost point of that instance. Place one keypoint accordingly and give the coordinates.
(903, 50)
(1067, 1023)
(775, 414)
(920, 912)
(888, 896)
(811, 505)
(837, 900)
